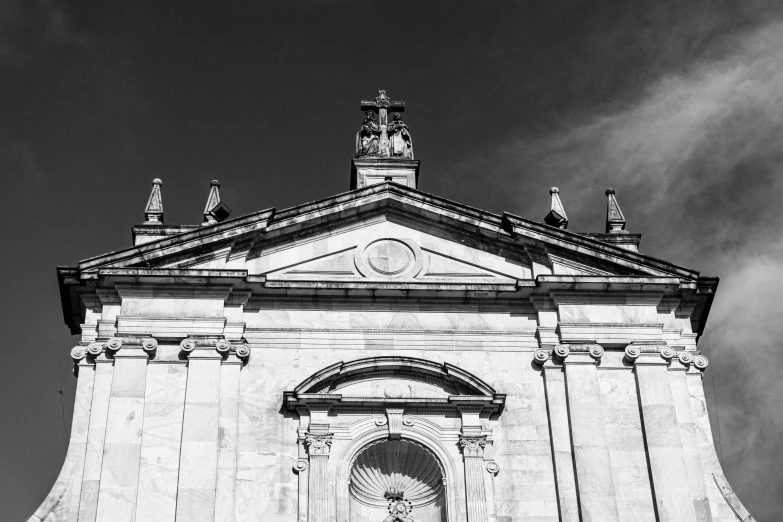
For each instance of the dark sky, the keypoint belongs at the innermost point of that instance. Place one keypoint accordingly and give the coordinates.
(677, 105)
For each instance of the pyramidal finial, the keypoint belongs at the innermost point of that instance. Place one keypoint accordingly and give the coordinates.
(615, 220)
(153, 213)
(213, 200)
(557, 216)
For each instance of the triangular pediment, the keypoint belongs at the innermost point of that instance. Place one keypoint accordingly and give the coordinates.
(415, 236)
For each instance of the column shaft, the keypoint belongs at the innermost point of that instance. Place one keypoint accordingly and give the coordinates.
(199, 450)
(474, 489)
(594, 481)
(664, 446)
(319, 488)
(122, 447)
(557, 408)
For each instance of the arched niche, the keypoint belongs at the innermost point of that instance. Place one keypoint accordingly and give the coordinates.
(350, 406)
(387, 471)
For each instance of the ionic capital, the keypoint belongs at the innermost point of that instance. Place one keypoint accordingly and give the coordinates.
(560, 354)
(223, 347)
(658, 354)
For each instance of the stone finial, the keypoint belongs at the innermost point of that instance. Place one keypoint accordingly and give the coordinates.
(215, 210)
(153, 213)
(557, 215)
(615, 220)
(213, 200)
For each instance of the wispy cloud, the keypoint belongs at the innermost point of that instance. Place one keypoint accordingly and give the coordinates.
(698, 161)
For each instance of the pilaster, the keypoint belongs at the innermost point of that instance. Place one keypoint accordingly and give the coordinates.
(119, 477)
(688, 433)
(318, 447)
(198, 489)
(559, 434)
(668, 471)
(96, 433)
(594, 483)
(475, 493)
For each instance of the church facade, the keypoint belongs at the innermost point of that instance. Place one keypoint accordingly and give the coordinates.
(387, 355)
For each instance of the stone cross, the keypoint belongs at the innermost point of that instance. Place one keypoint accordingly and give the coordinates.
(381, 105)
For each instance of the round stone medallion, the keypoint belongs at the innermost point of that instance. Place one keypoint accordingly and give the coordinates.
(393, 391)
(389, 257)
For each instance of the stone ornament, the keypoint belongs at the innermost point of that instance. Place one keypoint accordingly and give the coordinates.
(541, 356)
(243, 351)
(392, 258)
(701, 362)
(222, 346)
(379, 474)
(78, 353)
(561, 351)
(492, 467)
(148, 344)
(632, 353)
(472, 446)
(380, 138)
(318, 444)
(95, 349)
(667, 353)
(596, 351)
(300, 465)
(685, 357)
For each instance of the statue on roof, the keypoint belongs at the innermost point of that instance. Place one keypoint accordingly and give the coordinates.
(368, 137)
(400, 141)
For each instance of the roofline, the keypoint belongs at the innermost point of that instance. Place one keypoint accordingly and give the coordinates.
(509, 223)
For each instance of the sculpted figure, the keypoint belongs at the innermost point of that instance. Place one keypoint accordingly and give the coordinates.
(400, 142)
(368, 137)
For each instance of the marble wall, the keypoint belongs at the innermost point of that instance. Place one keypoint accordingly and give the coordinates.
(167, 434)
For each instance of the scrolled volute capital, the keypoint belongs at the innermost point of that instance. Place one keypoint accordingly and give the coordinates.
(667, 353)
(223, 346)
(596, 351)
(472, 446)
(148, 344)
(541, 356)
(685, 357)
(243, 352)
(561, 351)
(78, 353)
(701, 362)
(318, 444)
(492, 467)
(632, 353)
(95, 349)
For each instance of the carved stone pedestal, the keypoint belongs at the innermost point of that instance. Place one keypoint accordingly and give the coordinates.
(367, 171)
